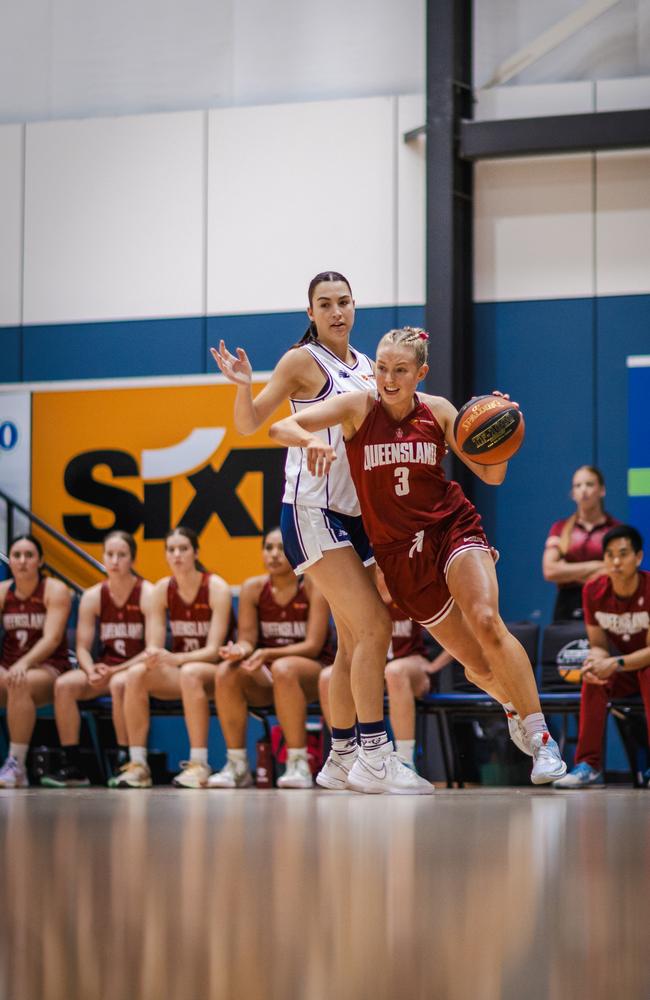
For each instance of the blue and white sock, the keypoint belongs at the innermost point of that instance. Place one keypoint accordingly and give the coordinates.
(373, 736)
(344, 741)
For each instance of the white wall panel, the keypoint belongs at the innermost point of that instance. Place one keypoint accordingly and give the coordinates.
(533, 229)
(623, 95)
(81, 58)
(534, 100)
(114, 218)
(411, 202)
(623, 223)
(11, 208)
(297, 189)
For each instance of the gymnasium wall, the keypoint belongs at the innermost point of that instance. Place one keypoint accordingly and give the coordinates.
(131, 244)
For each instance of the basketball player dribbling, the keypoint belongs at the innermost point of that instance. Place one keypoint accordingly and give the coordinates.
(324, 538)
(427, 537)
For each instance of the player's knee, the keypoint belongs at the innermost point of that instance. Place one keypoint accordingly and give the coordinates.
(396, 676)
(136, 675)
(117, 684)
(191, 677)
(283, 670)
(488, 627)
(69, 685)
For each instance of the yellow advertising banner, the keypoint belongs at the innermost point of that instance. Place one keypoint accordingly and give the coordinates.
(145, 459)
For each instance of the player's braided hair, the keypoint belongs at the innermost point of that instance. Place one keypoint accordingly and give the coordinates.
(411, 336)
(310, 335)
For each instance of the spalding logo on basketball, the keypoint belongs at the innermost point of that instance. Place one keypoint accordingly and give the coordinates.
(571, 658)
(489, 429)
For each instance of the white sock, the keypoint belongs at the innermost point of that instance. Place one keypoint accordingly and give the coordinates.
(237, 757)
(19, 751)
(345, 747)
(199, 755)
(138, 755)
(509, 708)
(405, 750)
(296, 753)
(535, 723)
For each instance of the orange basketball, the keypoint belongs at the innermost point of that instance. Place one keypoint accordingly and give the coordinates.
(489, 429)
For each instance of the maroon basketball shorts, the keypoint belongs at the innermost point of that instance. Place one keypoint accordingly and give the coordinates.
(416, 568)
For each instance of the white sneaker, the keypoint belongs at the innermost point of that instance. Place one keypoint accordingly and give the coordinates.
(547, 763)
(193, 774)
(383, 772)
(334, 772)
(231, 776)
(518, 734)
(133, 775)
(297, 774)
(12, 775)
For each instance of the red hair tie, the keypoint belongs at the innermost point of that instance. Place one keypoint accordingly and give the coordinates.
(423, 335)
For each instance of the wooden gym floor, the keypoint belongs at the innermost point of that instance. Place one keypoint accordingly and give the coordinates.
(465, 895)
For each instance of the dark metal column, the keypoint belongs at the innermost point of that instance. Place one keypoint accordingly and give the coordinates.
(449, 200)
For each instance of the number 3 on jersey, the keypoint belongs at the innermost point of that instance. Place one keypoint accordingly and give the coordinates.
(402, 485)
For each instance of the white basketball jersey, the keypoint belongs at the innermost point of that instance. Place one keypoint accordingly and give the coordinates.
(335, 490)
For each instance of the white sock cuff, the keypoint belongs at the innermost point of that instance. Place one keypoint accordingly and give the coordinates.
(199, 755)
(19, 751)
(138, 755)
(296, 753)
(238, 755)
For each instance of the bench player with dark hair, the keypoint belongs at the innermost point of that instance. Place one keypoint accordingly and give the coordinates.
(617, 616)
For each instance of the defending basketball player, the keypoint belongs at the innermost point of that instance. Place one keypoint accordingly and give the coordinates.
(428, 538)
(324, 538)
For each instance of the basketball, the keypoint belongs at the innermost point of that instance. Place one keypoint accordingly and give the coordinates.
(489, 429)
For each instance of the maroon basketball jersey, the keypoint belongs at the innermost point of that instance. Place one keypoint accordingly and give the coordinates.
(121, 627)
(407, 636)
(189, 623)
(625, 620)
(398, 477)
(22, 621)
(284, 624)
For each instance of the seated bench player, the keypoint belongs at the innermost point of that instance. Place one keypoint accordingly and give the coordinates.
(617, 616)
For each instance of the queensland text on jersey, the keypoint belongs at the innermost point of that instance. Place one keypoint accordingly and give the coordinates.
(396, 469)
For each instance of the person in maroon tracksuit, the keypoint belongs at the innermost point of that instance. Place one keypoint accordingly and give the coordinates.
(34, 650)
(114, 610)
(427, 537)
(198, 606)
(283, 640)
(617, 616)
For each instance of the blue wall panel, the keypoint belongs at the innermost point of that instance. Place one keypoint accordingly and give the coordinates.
(266, 337)
(542, 354)
(10, 354)
(115, 349)
(623, 329)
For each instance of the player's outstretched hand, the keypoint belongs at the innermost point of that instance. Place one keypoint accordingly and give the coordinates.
(320, 457)
(237, 368)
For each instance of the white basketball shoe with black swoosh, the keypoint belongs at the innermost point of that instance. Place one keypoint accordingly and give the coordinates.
(382, 772)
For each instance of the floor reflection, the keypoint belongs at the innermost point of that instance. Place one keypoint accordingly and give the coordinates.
(289, 895)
